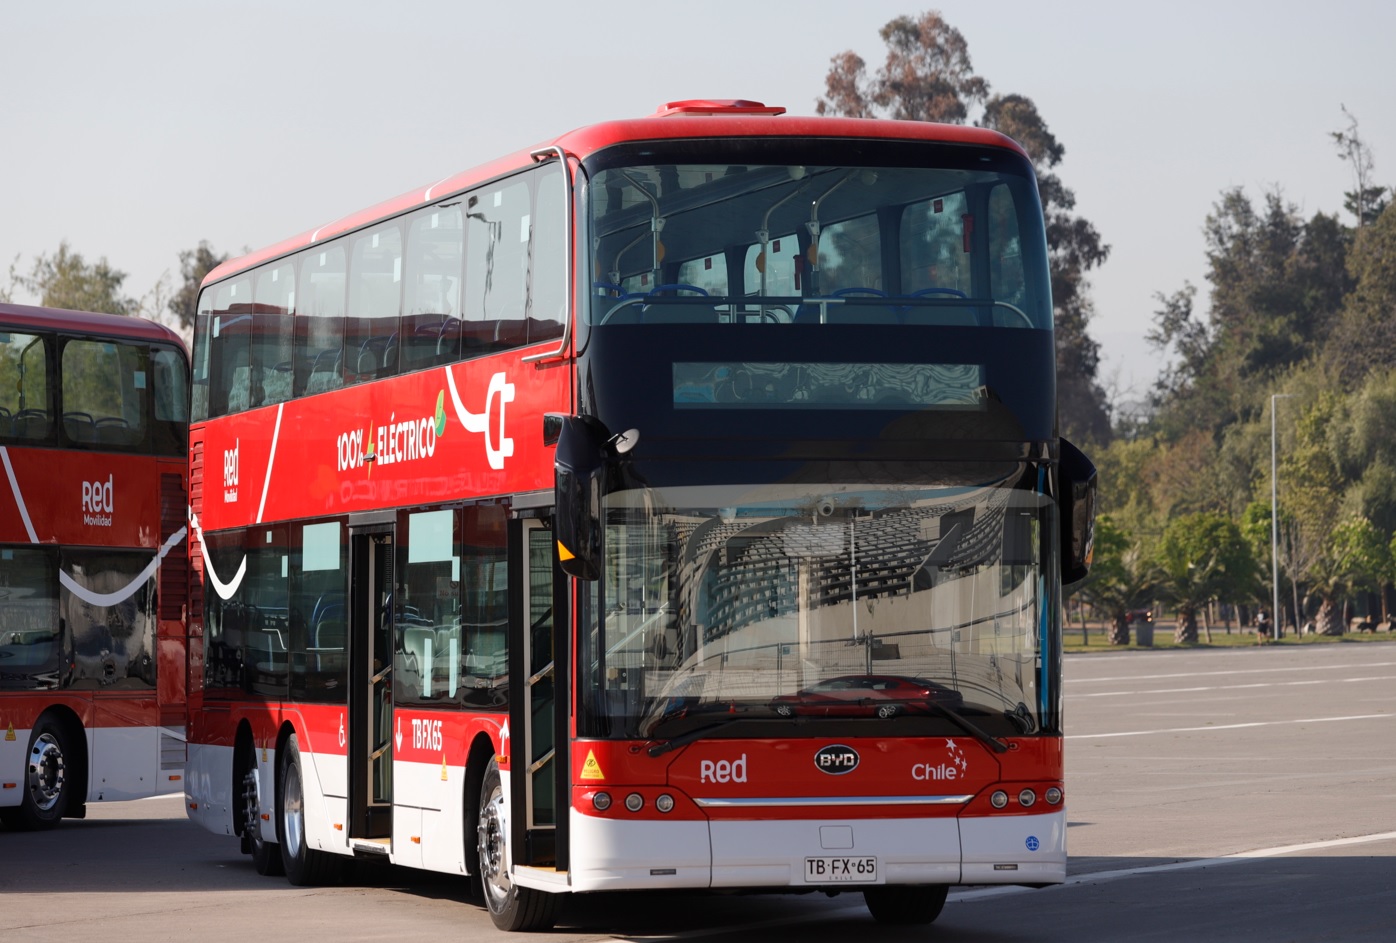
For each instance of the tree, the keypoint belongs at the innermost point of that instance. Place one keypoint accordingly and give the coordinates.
(928, 76)
(194, 265)
(1365, 337)
(66, 280)
(1120, 578)
(1356, 557)
(1203, 557)
(1365, 201)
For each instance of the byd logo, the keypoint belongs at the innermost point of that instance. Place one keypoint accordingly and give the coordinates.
(836, 760)
(97, 496)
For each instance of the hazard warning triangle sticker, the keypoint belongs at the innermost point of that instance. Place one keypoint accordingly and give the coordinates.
(592, 769)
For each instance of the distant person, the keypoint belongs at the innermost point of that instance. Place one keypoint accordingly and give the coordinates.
(1262, 624)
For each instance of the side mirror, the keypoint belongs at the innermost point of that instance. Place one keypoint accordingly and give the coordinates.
(580, 466)
(1078, 496)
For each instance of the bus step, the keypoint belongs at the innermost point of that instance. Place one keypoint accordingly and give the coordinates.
(371, 847)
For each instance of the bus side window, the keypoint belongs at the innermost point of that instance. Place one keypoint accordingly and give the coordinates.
(229, 325)
(319, 322)
(273, 304)
(431, 294)
(25, 410)
(497, 230)
(375, 303)
(548, 293)
(96, 409)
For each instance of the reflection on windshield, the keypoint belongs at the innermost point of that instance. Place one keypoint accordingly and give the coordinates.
(820, 601)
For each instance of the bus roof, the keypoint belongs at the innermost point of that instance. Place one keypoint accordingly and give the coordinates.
(87, 322)
(687, 119)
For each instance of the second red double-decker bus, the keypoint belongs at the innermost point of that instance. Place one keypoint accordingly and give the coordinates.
(93, 568)
(678, 504)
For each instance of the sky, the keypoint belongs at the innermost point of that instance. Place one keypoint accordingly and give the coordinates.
(134, 130)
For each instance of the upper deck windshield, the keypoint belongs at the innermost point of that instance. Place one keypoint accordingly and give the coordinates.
(933, 235)
(894, 604)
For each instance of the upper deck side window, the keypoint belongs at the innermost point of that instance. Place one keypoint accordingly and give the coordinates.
(477, 273)
(92, 393)
(26, 409)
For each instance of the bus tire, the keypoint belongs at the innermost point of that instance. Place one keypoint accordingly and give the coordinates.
(266, 855)
(905, 904)
(304, 866)
(511, 907)
(48, 784)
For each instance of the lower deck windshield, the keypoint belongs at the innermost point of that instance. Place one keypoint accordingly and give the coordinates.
(821, 602)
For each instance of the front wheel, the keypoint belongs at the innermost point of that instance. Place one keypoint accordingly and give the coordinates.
(304, 866)
(47, 786)
(905, 904)
(511, 907)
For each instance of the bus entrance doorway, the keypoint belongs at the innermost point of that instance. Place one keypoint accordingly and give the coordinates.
(370, 684)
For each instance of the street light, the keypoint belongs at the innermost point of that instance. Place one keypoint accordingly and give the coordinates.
(1275, 525)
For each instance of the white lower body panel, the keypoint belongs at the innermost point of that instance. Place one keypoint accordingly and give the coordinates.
(611, 854)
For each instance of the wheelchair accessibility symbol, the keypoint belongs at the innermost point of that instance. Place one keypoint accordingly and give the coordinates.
(1033, 843)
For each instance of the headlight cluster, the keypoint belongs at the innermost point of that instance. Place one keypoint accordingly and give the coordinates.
(1027, 798)
(601, 802)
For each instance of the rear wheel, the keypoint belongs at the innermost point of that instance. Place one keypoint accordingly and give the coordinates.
(903, 904)
(511, 907)
(47, 786)
(303, 865)
(266, 856)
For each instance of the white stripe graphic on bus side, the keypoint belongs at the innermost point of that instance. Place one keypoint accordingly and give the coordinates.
(224, 590)
(19, 498)
(68, 582)
(129, 590)
(266, 479)
(227, 590)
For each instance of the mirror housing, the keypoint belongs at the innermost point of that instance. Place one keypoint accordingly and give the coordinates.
(580, 466)
(1077, 478)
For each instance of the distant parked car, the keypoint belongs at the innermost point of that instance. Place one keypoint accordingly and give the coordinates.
(1139, 616)
(866, 696)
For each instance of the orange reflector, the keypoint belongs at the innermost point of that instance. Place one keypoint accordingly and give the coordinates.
(416, 839)
(339, 826)
(193, 805)
(11, 785)
(175, 779)
(266, 816)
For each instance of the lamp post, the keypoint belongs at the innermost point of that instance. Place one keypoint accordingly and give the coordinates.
(1275, 525)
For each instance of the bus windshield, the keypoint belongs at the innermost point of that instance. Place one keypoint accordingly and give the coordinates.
(821, 601)
(819, 244)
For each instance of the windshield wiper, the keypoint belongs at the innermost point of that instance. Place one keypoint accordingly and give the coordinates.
(697, 733)
(992, 742)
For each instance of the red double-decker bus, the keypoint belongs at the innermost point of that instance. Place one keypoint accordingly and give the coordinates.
(94, 425)
(678, 504)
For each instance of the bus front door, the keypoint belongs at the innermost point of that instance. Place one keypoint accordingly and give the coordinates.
(370, 684)
(539, 773)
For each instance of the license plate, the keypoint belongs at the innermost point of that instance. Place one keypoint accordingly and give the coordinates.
(840, 870)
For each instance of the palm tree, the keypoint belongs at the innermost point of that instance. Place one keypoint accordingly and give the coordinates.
(1121, 578)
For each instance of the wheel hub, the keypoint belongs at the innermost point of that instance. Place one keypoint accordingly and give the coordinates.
(492, 852)
(47, 772)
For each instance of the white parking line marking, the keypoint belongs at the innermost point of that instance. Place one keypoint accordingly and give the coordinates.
(1261, 723)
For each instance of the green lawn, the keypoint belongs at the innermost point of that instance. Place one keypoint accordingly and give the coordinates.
(1097, 638)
